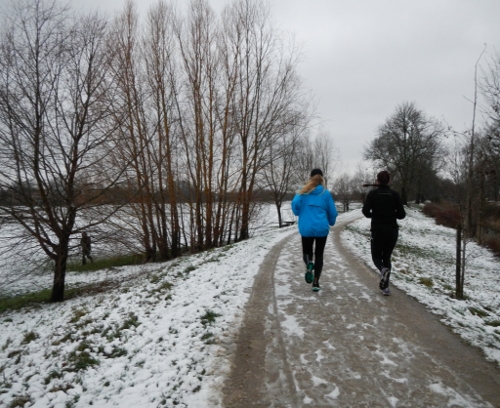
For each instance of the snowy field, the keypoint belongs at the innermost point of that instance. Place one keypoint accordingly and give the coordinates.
(164, 335)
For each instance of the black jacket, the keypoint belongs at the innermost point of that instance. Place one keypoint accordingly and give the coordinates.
(383, 206)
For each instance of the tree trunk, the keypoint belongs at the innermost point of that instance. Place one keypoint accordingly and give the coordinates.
(60, 271)
(458, 271)
(404, 196)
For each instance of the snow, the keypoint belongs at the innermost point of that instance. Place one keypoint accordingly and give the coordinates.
(164, 336)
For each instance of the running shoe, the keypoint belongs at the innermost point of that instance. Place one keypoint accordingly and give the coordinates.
(384, 275)
(386, 292)
(309, 275)
(316, 287)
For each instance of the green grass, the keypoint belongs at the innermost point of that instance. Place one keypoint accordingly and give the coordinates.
(53, 375)
(478, 312)
(209, 317)
(190, 268)
(426, 282)
(43, 296)
(403, 249)
(20, 301)
(208, 338)
(131, 321)
(117, 352)
(80, 359)
(78, 314)
(29, 337)
(103, 263)
(20, 401)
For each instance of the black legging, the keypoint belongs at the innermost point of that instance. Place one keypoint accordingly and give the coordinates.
(382, 244)
(307, 251)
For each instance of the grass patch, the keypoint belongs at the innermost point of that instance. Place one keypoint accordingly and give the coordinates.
(162, 287)
(104, 263)
(190, 268)
(209, 317)
(20, 301)
(165, 286)
(53, 375)
(478, 312)
(132, 321)
(77, 315)
(44, 295)
(4, 347)
(208, 338)
(403, 250)
(426, 282)
(80, 359)
(20, 401)
(154, 279)
(117, 352)
(29, 337)
(494, 323)
(14, 353)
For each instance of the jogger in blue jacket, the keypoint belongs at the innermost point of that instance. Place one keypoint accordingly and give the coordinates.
(316, 210)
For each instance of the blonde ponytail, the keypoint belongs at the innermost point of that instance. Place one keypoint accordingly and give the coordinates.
(313, 182)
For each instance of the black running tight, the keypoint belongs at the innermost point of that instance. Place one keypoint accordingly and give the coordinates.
(307, 251)
(382, 244)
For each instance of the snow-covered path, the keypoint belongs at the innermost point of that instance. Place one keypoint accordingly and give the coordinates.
(348, 345)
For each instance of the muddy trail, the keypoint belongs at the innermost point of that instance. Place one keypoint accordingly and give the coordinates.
(348, 346)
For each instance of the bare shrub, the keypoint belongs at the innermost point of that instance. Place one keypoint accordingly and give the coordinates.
(446, 214)
(493, 243)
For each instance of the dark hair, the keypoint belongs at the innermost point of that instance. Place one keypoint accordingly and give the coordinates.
(316, 171)
(383, 178)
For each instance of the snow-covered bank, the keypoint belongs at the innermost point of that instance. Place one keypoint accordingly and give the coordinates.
(160, 339)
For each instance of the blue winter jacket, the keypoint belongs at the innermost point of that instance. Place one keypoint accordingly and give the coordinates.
(316, 212)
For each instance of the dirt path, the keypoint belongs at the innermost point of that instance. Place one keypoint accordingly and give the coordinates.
(348, 346)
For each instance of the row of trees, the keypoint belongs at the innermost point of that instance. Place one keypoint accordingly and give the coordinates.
(191, 114)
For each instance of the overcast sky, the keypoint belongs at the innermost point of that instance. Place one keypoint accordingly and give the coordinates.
(362, 58)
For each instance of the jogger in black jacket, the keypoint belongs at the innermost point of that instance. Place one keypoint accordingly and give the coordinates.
(383, 206)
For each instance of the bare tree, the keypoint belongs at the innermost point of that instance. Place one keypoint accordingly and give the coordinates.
(406, 143)
(53, 125)
(490, 87)
(131, 117)
(326, 155)
(305, 161)
(163, 152)
(342, 190)
(469, 193)
(348, 188)
(266, 98)
(463, 165)
(280, 174)
(200, 127)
